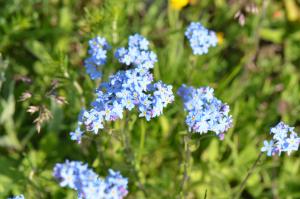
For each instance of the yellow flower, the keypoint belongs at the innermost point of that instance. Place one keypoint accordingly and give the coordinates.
(178, 4)
(220, 37)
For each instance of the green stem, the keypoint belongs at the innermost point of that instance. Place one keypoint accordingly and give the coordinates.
(186, 165)
(249, 173)
(100, 152)
(142, 142)
(193, 61)
(38, 189)
(130, 157)
(167, 33)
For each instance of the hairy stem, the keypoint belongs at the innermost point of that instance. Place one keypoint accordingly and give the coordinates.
(100, 152)
(249, 173)
(130, 157)
(186, 165)
(142, 143)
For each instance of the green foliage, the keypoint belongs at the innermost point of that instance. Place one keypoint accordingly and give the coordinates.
(256, 70)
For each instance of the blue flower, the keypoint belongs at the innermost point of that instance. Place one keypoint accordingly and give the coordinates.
(89, 185)
(128, 90)
(76, 135)
(116, 180)
(285, 139)
(200, 38)
(268, 147)
(137, 53)
(98, 47)
(17, 197)
(204, 111)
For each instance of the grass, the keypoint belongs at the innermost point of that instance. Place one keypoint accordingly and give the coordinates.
(255, 70)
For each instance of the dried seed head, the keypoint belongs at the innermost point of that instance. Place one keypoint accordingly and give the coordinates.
(60, 100)
(240, 17)
(25, 95)
(44, 116)
(33, 109)
(23, 78)
(251, 8)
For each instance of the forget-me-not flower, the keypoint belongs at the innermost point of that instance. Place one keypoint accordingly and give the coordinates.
(204, 111)
(285, 139)
(77, 176)
(200, 38)
(98, 47)
(137, 53)
(127, 90)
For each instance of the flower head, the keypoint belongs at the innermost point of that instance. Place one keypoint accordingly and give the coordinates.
(127, 90)
(137, 53)
(285, 139)
(98, 47)
(204, 111)
(178, 4)
(89, 185)
(200, 38)
(76, 135)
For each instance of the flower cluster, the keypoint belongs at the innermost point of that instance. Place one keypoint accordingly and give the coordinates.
(285, 139)
(204, 111)
(88, 184)
(98, 47)
(126, 90)
(17, 197)
(137, 53)
(200, 38)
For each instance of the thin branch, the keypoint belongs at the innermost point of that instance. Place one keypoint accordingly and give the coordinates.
(186, 163)
(130, 157)
(249, 173)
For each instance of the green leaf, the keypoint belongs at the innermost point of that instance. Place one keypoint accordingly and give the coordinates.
(273, 35)
(38, 50)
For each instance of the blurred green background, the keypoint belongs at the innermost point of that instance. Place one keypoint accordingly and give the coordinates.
(255, 69)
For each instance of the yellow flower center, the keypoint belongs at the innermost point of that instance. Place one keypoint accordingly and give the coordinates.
(220, 37)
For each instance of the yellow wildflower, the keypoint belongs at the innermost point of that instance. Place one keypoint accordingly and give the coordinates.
(178, 4)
